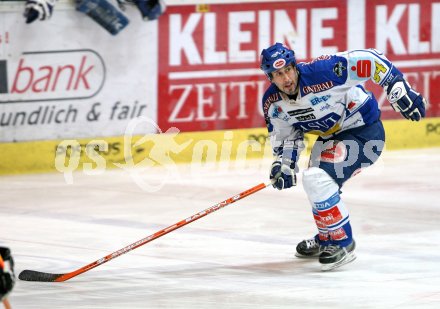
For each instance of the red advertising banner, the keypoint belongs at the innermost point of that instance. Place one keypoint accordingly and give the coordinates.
(209, 77)
(408, 32)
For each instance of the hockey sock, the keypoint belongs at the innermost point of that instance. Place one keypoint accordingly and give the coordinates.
(323, 236)
(331, 215)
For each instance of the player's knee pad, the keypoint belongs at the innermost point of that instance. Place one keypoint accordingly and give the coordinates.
(318, 184)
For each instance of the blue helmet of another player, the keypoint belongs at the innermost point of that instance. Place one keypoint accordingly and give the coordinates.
(276, 57)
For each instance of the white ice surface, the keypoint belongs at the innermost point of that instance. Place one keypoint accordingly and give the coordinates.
(239, 257)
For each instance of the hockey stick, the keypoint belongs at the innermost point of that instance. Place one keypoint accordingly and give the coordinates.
(32, 275)
(6, 304)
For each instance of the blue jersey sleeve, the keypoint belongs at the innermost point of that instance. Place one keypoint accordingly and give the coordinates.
(324, 72)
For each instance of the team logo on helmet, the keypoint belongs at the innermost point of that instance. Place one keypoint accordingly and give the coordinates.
(279, 64)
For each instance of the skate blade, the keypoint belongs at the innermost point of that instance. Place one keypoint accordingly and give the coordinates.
(300, 256)
(347, 259)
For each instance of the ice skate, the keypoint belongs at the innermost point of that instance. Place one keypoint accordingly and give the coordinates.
(309, 248)
(335, 256)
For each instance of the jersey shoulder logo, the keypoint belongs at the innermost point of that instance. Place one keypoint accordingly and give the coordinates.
(339, 69)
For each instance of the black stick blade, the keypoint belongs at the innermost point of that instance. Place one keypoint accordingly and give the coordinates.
(32, 275)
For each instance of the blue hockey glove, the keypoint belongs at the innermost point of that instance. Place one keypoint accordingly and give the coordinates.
(150, 9)
(282, 176)
(405, 100)
(38, 9)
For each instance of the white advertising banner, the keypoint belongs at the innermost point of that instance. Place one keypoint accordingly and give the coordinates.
(69, 78)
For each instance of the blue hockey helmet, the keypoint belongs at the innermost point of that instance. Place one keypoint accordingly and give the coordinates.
(276, 57)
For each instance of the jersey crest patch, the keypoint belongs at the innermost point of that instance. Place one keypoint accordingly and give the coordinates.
(339, 69)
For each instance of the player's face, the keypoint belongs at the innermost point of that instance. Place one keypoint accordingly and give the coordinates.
(286, 79)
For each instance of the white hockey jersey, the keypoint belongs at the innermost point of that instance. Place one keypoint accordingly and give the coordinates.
(331, 98)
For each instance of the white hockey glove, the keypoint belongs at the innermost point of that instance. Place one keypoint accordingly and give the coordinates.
(282, 176)
(405, 100)
(38, 9)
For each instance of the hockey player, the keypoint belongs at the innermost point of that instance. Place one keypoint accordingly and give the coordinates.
(7, 277)
(325, 97)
